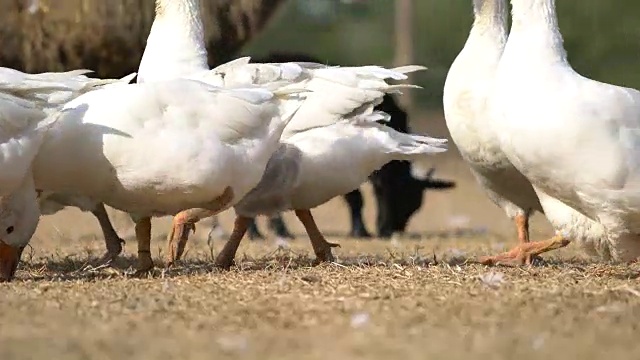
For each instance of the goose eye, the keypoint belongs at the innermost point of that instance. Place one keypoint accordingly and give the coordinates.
(10, 229)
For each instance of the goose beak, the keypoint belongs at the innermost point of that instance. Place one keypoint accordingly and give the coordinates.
(9, 259)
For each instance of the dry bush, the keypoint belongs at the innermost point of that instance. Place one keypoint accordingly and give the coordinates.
(109, 36)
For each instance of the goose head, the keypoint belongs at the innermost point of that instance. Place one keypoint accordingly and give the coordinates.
(19, 210)
(19, 216)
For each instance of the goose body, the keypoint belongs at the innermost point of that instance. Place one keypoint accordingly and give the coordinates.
(354, 152)
(201, 129)
(332, 144)
(466, 93)
(155, 149)
(574, 138)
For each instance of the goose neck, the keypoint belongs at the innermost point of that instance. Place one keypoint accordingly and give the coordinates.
(534, 12)
(536, 22)
(490, 20)
(176, 43)
(177, 9)
(182, 17)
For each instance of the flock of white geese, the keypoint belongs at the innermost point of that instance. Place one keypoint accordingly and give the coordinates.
(190, 141)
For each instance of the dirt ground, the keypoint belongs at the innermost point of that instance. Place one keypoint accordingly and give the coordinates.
(408, 298)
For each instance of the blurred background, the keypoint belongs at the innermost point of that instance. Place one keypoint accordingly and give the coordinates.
(603, 42)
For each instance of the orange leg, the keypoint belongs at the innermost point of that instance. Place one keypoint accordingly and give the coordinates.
(224, 259)
(523, 253)
(321, 247)
(522, 223)
(112, 241)
(143, 235)
(184, 222)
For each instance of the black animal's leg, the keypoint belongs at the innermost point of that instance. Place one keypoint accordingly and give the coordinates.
(252, 229)
(384, 218)
(276, 223)
(355, 201)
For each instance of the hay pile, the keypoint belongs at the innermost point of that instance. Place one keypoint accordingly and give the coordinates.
(109, 36)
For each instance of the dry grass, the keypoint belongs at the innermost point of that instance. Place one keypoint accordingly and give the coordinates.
(385, 300)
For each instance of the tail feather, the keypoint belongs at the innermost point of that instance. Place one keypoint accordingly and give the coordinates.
(285, 92)
(422, 139)
(381, 73)
(92, 84)
(257, 94)
(397, 87)
(289, 112)
(231, 65)
(344, 95)
(421, 148)
(306, 65)
(409, 68)
(377, 72)
(32, 92)
(241, 73)
(373, 117)
(412, 145)
(290, 71)
(49, 90)
(291, 100)
(59, 76)
(8, 75)
(74, 80)
(125, 79)
(253, 95)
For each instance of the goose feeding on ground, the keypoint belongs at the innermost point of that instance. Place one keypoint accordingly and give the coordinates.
(148, 149)
(577, 140)
(322, 155)
(328, 149)
(466, 92)
(51, 91)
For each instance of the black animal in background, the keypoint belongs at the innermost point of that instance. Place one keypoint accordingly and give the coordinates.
(398, 194)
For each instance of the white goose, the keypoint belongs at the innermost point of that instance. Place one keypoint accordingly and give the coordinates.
(51, 91)
(147, 149)
(321, 141)
(322, 155)
(577, 140)
(466, 92)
